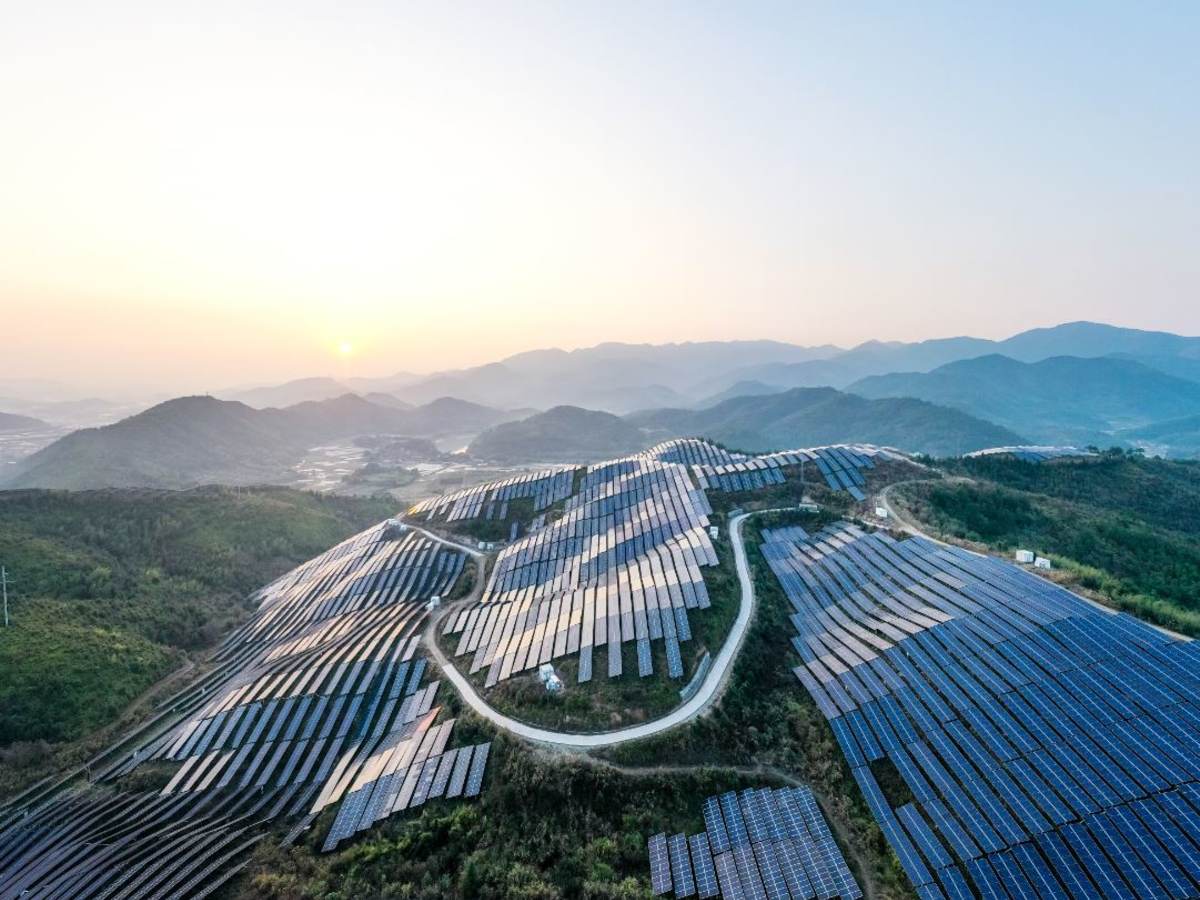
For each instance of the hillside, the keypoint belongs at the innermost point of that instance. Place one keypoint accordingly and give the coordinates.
(1061, 400)
(1174, 437)
(202, 440)
(111, 587)
(188, 441)
(1119, 526)
(12, 422)
(445, 416)
(289, 393)
(561, 434)
(806, 417)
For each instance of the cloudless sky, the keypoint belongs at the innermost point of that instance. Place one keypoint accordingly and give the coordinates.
(207, 194)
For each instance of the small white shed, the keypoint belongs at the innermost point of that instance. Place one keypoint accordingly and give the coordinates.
(1025, 556)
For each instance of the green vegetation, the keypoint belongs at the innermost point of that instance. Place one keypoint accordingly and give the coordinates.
(112, 588)
(766, 718)
(1120, 527)
(519, 511)
(544, 828)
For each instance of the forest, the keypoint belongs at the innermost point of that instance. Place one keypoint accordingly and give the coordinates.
(111, 590)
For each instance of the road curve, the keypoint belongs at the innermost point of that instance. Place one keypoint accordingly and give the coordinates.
(704, 697)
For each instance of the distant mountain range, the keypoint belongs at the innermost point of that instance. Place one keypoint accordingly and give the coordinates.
(807, 417)
(1076, 383)
(1061, 400)
(622, 378)
(561, 434)
(1166, 352)
(199, 440)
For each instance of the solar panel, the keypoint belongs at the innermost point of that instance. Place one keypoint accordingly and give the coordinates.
(702, 866)
(478, 761)
(727, 876)
(681, 866)
(1009, 706)
(660, 866)
(458, 777)
(776, 844)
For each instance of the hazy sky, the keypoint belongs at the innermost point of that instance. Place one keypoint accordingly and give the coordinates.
(203, 195)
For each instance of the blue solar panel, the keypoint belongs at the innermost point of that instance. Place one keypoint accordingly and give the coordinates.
(1010, 708)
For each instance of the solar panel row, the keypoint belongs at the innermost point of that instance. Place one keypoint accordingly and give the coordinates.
(841, 467)
(318, 698)
(757, 844)
(490, 501)
(1050, 748)
(1030, 453)
(621, 564)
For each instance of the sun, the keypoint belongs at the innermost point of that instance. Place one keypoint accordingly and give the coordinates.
(345, 348)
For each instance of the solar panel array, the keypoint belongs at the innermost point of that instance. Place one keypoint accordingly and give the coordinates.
(318, 696)
(757, 844)
(490, 501)
(621, 564)
(1030, 453)
(841, 467)
(87, 843)
(1050, 748)
(693, 452)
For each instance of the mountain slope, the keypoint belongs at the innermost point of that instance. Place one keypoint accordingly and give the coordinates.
(1059, 400)
(187, 441)
(614, 377)
(561, 434)
(1174, 437)
(290, 393)
(13, 422)
(805, 417)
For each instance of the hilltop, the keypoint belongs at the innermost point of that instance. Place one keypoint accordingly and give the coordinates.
(807, 417)
(12, 422)
(1065, 399)
(202, 440)
(561, 434)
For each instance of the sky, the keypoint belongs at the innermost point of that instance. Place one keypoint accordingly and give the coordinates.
(196, 196)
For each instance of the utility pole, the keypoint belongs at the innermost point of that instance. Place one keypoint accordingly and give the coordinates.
(4, 586)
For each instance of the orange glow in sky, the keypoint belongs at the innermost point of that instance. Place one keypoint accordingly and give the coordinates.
(248, 192)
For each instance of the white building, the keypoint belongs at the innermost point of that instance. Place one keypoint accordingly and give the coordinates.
(713, 531)
(434, 602)
(1041, 563)
(549, 678)
(1024, 556)
(881, 512)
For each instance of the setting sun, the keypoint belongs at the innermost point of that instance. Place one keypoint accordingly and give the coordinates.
(345, 348)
